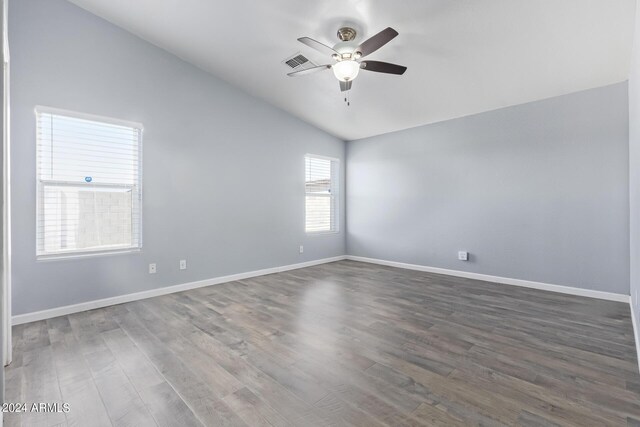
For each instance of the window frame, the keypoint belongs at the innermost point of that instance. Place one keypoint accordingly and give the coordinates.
(41, 184)
(334, 195)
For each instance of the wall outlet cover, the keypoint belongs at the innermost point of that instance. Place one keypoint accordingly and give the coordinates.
(152, 268)
(463, 255)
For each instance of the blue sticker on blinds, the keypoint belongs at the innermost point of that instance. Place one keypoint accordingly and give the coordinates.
(87, 178)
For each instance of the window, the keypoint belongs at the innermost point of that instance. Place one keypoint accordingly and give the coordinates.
(321, 187)
(89, 184)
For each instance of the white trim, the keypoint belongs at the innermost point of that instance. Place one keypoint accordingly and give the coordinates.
(90, 305)
(86, 116)
(320, 233)
(41, 184)
(334, 195)
(320, 156)
(497, 279)
(5, 280)
(76, 255)
(635, 333)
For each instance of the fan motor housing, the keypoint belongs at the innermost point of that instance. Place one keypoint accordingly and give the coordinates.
(346, 34)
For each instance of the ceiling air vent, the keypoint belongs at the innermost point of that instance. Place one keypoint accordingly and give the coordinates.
(298, 62)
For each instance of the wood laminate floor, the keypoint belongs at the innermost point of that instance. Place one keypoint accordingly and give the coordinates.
(345, 343)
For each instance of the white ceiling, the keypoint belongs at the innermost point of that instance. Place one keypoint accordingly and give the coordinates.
(463, 56)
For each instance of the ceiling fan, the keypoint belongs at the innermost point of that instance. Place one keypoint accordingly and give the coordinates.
(348, 56)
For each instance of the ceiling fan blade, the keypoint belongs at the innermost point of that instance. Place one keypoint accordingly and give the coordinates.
(320, 47)
(383, 67)
(309, 71)
(376, 42)
(345, 86)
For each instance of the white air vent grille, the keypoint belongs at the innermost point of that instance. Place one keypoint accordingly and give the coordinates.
(298, 62)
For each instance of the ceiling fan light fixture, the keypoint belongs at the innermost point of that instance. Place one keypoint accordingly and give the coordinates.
(346, 70)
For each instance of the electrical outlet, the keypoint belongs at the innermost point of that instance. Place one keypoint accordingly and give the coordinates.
(183, 264)
(463, 255)
(301, 249)
(152, 268)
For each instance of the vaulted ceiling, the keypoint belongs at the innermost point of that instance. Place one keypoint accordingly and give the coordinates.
(463, 56)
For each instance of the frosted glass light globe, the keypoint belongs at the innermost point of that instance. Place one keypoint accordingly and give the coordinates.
(346, 70)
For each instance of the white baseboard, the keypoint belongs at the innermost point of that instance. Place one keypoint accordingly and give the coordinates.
(105, 302)
(497, 279)
(635, 333)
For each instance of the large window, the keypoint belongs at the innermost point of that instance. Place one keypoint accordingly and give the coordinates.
(89, 184)
(321, 201)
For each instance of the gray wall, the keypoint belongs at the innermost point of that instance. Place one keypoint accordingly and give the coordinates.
(223, 172)
(537, 192)
(634, 170)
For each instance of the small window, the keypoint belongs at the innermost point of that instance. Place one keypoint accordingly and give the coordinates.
(321, 201)
(89, 184)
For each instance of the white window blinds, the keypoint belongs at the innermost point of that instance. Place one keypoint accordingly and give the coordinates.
(321, 201)
(89, 184)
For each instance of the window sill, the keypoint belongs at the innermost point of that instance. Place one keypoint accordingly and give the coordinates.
(321, 233)
(82, 255)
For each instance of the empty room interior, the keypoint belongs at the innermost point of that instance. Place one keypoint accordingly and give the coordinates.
(330, 213)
